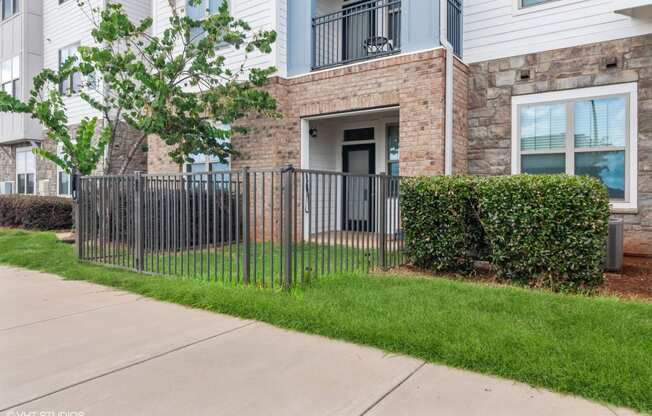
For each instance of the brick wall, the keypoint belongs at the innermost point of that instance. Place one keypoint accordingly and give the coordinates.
(415, 83)
(126, 139)
(460, 118)
(492, 85)
(158, 159)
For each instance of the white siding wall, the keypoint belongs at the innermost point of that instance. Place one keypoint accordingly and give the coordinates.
(497, 28)
(281, 45)
(67, 24)
(137, 10)
(11, 41)
(64, 25)
(21, 35)
(260, 14)
(325, 153)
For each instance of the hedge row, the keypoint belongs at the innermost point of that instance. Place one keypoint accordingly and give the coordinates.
(547, 230)
(35, 212)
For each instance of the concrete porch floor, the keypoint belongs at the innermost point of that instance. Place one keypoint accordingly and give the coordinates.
(70, 346)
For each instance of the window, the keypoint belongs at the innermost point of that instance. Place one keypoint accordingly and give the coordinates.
(9, 8)
(392, 150)
(354, 135)
(6, 188)
(580, 132)
(72, 84)
(64, 187)
(199, 12)
(393, 156)
(205, 163)
(25, 170)
(528, 3)
(10, 76)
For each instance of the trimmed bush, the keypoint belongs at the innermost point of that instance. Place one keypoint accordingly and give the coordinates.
(35, 212)
(545, 230)
(438, 222)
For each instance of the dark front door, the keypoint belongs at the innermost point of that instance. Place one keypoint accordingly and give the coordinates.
(358, 161)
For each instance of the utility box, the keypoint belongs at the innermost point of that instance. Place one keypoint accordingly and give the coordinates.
(615, 243)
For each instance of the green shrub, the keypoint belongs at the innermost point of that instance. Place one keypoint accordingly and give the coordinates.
(438, 222)
(35, 212)
(545, 230)
(538, 230)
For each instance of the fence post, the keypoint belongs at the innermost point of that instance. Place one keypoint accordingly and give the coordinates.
(76, 189)
(288, 174)
(246, 200)
(382, 221)
(139, 221)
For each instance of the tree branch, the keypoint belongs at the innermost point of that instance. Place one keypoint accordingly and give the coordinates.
(132, 152)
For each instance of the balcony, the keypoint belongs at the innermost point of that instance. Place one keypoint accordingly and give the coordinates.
(362, 31)
(454, 25)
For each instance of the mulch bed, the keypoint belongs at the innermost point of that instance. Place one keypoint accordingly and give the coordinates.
(635, 281)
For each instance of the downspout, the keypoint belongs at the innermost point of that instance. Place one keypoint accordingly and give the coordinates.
(448, 99)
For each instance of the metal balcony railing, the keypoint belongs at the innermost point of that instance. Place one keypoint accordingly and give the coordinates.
(455, 25)
(363, 31)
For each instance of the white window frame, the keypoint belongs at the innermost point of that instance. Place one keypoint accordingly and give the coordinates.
(208, 161)
(70, 91)
(519, 9)
(630, 90)
(15, 9)
(59, 171)
(206, 15)
(26, 149)
(4, 184)
(13, 76)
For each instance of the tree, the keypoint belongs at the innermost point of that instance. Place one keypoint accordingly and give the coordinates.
(176, 85)
(80, 154)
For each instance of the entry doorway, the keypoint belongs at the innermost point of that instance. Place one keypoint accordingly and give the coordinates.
(358, 189)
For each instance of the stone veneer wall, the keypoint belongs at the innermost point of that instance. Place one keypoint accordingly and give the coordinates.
(8, 163)
(493, 83)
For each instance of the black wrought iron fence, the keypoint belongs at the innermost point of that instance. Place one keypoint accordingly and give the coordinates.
(454, 24)
(263, 227)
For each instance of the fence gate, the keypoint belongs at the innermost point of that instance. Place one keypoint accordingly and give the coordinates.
(266, 227)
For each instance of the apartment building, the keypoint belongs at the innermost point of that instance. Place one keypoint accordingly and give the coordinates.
(354, 79)
(405, 87)
(489, 87)
(37, 34)
(21, 58)
(565, 86)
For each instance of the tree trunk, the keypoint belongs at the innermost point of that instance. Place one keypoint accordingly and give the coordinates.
(132, 152)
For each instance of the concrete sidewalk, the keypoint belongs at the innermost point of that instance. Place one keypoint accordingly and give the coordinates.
(77, 347)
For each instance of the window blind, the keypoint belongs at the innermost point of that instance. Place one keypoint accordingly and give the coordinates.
(600, 122)
(543, 127)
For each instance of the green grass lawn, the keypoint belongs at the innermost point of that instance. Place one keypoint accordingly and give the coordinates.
(599, 348)
(225, 264)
